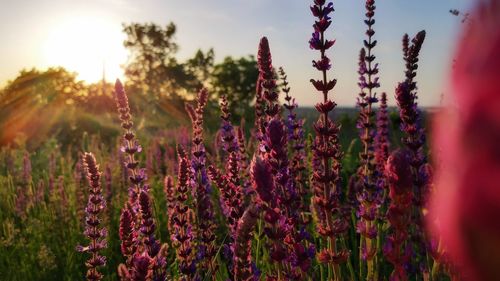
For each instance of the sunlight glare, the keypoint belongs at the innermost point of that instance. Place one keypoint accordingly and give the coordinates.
(87, 45)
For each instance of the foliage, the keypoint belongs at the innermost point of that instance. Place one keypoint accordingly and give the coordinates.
(326, 196)
(235, 79)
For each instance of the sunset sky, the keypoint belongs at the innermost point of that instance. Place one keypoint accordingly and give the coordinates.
(82, 36)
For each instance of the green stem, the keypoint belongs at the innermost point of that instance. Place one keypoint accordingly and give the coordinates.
(360, 257)
(259, 234)
(349, 263)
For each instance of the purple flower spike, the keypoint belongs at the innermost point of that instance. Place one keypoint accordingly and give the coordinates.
(94, 232)
(414, 134)
(382, 137)
(296, 145)
(331, 216)
(182, 219)
(262, 180)
(204, 206)
(268, 83)
(130, 145)
(368, 176)
(243, 269)
(400, 180)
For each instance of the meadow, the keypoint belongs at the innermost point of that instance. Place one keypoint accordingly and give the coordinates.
(210, 191)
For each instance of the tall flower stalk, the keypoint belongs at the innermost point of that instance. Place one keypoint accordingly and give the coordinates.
(382, 141)
(204, 207)
(370, 197)
(291, 259)
(242, 260)
(128, 237)
(170, 197)
(263, 184)
(93, 229)
(138, 210)
(259, 106)
(267, 80)
(227, 131)
(260, 170)
(130, 146)
(244, 160)
(399, 177)
(296, 145)
(148, 239)
(414, 135)
(331, 222)
(182, 218)
(230, 183)
(299, 199)
(411, 123)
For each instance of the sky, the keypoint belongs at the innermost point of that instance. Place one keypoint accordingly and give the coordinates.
(86, 37)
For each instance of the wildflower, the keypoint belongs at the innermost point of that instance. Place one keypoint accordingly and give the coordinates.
(244, 161)
(243, 247)
(170, 196)
(382, 136)
(268, 82)
(262, 180)
(400, 180)
(264, 186)
(296, 144)
(259, 106)
(142, 267)
(127, 234)
(414, 134)
(227, 131)
(95, 233)
(464, 210)
(231, 191)
(326, 150)
(148, 225)
(182, 218)
(369, 192)
(204, 207)
(130, 145)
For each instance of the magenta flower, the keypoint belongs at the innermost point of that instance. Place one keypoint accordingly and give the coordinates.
(465, 208)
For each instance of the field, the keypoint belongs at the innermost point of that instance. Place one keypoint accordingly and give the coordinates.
(211, 171)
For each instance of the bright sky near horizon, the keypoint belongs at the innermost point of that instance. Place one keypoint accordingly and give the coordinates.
(82, 36)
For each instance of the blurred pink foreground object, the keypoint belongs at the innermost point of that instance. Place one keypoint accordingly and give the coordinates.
(465, 210)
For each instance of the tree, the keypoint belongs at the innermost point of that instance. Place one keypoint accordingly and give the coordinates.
(32, 103)
(201, 66)
(152, 68)
(154, 71)
(236, 78)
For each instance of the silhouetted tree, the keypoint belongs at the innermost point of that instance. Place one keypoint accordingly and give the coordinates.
(153, 68)
(201, 66)
(235, 78)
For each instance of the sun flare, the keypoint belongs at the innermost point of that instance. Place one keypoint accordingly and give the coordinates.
(87, 46)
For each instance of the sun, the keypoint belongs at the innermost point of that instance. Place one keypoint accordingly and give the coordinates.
(86, 45)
